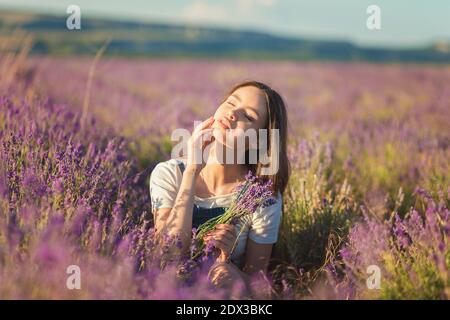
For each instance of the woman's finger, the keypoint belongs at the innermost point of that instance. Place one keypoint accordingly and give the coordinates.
(229, 236)
(224, 234)
(216, 238)
(208, 138)
(224, 226)
(205, 124)
(228, 233)
(228, 227)
(200, 139)
(225, 237)
(202, 133)
(224, 246)
(208, 236)
(228, 242)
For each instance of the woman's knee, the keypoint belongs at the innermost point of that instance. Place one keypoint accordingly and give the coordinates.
(220, 274)
(226, 276)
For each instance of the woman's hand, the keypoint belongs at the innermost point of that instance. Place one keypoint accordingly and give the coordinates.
(224, 237)
(201, 137)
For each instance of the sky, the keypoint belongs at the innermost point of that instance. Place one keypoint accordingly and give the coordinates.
(404, 23)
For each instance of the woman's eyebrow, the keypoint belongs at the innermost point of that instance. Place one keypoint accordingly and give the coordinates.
(237, 97)
(252, 109)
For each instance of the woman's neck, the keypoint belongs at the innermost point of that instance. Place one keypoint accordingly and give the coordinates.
(217, 174)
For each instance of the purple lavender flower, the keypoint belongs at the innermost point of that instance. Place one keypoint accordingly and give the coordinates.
(58, 186)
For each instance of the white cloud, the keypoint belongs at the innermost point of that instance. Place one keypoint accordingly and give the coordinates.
(201, 11)
(225, 13)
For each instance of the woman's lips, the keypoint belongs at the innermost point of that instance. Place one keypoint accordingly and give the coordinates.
(222, 124)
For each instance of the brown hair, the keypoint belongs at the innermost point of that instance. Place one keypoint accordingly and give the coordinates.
(277, 119)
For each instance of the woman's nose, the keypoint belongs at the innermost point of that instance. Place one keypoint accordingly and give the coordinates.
(231, 116)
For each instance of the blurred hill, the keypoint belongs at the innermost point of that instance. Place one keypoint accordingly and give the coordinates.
(165, 40)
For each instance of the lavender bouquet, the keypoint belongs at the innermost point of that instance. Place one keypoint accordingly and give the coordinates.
(250, 195)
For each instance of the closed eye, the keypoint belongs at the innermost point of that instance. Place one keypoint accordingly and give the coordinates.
(246, 114)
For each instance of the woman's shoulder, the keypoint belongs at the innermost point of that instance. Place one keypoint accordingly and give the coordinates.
(168, 171)
(272, 207)
(165, 180)
(266, 221)
(170, 164)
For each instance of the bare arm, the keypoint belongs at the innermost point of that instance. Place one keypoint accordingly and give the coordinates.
(256, 262)
(257, 257)
(178, 220)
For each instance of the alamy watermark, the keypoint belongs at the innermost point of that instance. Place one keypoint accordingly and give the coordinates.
(373, 21)
(374, 279)
(74, 279)
(73, 21)
(233, 146)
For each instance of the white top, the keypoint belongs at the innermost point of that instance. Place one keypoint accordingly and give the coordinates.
(261, 227)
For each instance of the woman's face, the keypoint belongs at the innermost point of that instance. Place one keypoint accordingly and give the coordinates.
(244, 109)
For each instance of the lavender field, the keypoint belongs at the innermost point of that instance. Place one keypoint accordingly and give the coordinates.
(369, 148)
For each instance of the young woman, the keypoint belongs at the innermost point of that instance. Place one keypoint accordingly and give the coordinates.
(187, 192)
